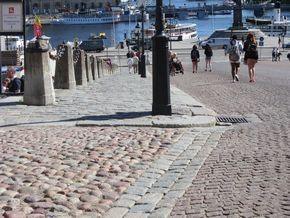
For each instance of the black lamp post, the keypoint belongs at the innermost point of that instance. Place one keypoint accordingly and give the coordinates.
(137, 34)
(161, 85)
(283, 35)
(142, 63)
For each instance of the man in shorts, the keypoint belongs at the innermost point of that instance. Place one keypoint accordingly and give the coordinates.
(235, 50)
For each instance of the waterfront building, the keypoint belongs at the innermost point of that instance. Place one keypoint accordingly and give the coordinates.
(57, 6)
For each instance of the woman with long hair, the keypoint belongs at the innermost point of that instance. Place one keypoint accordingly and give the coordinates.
(251, 55)
(208, 54)
(194, 54)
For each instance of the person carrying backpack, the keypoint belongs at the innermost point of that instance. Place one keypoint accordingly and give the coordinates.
(194, 54)
(251, 55)
(208, 54)
(235, 50)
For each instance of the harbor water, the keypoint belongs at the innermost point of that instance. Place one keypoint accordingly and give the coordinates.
(115, 32)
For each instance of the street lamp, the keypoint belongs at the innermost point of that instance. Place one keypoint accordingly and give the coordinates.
(283, 35)
(161, 85)
(142, 63)
(137, 34)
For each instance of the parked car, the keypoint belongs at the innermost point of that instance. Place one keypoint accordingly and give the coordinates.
(94, 45)
(147, 45)
(288, 56)
(217, 43)
(286, 45)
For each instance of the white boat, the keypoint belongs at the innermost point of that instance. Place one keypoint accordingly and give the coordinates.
(86, 19)
(277, 28)
(176, 32)
(280, 25)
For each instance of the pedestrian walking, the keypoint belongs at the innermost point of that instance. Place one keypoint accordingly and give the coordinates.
(251, 55)
(208, 54)
(194, 54)
(235, 50)
(274, 55)
(243, 40)
(278, 53)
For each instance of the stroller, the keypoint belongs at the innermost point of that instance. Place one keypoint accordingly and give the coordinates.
(175, 65)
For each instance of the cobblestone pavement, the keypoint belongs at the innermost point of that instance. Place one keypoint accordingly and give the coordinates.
(49, 168)
(99, 171)
(55, 170)
(248, 173)
(77, 172)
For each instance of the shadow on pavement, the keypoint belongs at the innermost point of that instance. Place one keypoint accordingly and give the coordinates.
(118, 115)
(3, 104)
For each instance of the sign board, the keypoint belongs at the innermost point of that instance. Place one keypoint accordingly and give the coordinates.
(261, 43)
(11, 17)
(262, 38)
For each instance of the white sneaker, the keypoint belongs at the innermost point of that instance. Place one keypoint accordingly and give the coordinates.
(237, 77)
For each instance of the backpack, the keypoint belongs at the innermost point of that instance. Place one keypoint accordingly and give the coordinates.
(252, 51)
(234, 52)
(208, 52)
(194, 55)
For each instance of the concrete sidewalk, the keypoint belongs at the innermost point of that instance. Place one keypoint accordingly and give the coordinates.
(121, 99)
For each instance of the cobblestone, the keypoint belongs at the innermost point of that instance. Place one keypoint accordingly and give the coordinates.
(59, 166)
(247, 172)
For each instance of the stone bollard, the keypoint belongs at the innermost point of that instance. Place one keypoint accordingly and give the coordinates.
(64, 70)
(89, 68)
(99, 67)
(38, 78)
(80, 68)
(94, 67)
(102, 67)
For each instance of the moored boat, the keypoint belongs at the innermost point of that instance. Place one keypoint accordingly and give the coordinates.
(76, 19)
(276, 26)
(176, 31)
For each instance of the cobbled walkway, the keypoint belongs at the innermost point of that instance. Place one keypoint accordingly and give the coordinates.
(248, 173)
(100, 171)
(74, 172)
(51, 168)
(157, 190)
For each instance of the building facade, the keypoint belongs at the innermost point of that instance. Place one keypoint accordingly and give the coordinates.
(56, 6)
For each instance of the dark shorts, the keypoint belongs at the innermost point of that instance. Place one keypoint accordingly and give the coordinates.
(235, 65)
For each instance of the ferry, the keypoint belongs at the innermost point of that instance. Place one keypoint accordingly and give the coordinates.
(81, 19)
(176, 32)
(277, 26)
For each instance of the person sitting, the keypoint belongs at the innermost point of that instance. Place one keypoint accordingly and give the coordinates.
(14, 85)
(177, 64)
(5, 84)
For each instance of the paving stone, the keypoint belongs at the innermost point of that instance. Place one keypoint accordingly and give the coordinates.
(124, 203)
(135, 190)
(115, 212)
(150, 198)
(142, 208)
(135, 215)
(160, 213)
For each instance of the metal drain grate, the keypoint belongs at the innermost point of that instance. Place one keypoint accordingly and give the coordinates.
(228, 119)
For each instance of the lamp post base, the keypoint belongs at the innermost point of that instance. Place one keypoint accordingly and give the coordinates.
(161, 85)
(161, 110)
(143, 66)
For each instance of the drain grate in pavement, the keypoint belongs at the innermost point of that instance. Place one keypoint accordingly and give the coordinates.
(228, 119)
